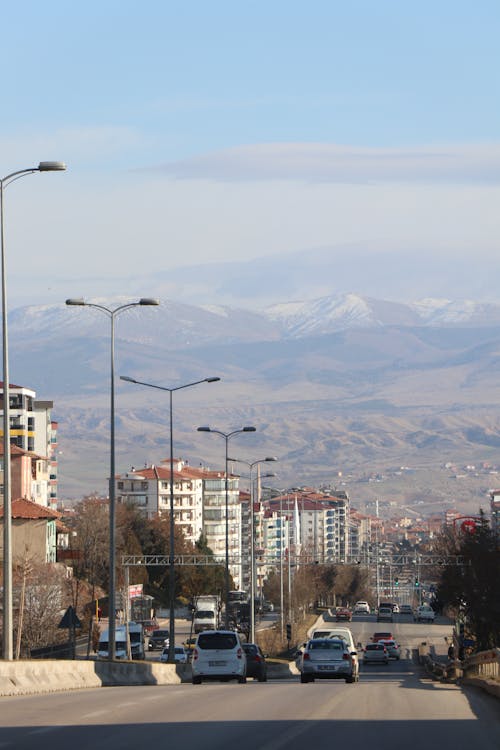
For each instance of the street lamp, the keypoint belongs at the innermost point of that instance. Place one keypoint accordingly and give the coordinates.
(112, 314)
(171, 642)
(250, 465)
(44, 166)
(227, 436)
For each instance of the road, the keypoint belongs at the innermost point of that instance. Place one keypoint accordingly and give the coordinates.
(394, 706)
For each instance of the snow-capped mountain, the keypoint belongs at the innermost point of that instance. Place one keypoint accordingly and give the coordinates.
(177, 325)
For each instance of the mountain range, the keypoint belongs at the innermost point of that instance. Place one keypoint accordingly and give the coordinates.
(344, 389)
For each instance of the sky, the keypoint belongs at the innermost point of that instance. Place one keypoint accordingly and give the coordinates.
(203, 132)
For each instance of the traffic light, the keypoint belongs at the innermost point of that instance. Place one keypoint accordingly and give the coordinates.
(417, 583)
(288, 632)
(396, 581)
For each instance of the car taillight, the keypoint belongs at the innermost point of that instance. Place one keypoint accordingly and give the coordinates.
(238, 654)
(346, 656)
(195, 654)
(306, 656)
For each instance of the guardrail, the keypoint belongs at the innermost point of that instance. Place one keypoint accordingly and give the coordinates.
(485, 664)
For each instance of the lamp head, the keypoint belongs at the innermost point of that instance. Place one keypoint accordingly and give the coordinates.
(149, 301)
(127, 379)
(75, 301)
(206, 428)
(51, 166)
(249, 428)
(211, 380)
(270, 458)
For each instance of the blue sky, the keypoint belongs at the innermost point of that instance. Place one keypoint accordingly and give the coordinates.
(208, 131)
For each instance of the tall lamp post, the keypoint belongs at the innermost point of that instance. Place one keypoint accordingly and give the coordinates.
(227, 436)
(171, 560)
(112, 314)
(250, 465)
(44, 166)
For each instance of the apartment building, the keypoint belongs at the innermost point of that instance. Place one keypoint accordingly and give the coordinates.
(149, 489)
(318, 524)
(33, 430)
(199, 500)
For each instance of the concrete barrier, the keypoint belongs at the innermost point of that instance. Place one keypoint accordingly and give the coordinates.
(48, 675)
(52, 675)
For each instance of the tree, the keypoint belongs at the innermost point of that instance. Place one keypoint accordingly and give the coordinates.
(473, 588)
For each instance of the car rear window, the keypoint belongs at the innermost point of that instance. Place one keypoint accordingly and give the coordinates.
(217, 640)
(374, 647)
(329, 645)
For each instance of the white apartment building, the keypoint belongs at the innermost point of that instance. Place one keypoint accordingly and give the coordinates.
(149, 489)
(318, 524)
(33, 430)
(199, 505)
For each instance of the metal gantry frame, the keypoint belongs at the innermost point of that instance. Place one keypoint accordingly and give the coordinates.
(298, 560)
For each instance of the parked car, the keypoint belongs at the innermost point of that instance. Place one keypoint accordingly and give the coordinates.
(158, 639)
(343, 613)
(384, 614)
(218, 655)
(256, 662)
(180, 654)
(361, 608)
(326, 658)
(392, 649)
(375, 652)
(406, 609)
(424, 613)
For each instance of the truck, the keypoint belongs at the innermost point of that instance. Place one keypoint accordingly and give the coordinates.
(136, 636)
(206, 612)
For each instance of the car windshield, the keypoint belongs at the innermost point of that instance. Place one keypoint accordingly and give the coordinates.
(217, 640)
(160, 634)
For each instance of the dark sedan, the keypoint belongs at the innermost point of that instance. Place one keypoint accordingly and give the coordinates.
(256, 662)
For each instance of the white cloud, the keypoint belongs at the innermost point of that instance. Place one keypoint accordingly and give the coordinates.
(323, 162)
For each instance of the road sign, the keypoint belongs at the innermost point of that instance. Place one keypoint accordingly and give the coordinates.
(70, 619)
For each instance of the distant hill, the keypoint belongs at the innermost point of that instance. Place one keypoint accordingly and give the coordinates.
(342, 383)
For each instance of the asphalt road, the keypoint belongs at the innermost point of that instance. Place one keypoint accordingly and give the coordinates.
(394, 706)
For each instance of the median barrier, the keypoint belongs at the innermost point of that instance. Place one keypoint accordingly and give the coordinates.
(50, 675)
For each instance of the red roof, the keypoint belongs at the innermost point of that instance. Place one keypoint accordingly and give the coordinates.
(22, 508)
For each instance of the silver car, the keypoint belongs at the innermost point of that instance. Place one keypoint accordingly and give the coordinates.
(375, 653)
(326, 658)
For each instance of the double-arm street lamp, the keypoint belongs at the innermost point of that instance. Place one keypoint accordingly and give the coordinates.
(227, 436)
(251, 465)
(44, 166)
(171, 391)
(112, 314)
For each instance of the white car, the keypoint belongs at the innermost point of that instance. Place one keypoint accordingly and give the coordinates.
(361, 608)
(180, 654)
(424, 613)
(218, 655)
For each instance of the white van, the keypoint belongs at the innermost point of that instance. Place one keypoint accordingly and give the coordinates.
(218, 655)
(136, 635)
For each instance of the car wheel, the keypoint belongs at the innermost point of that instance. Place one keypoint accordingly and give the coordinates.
(304, 679)
(242, 680)
(350, 679)
(262, 678)
(196, 680)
